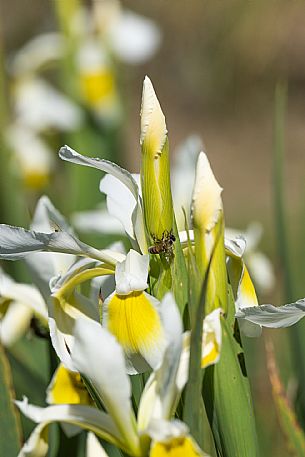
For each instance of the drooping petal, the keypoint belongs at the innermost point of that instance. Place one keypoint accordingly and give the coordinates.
(16, 243)
(23, 293)
(161, 394)
(273, 316)
(15, 322)
(67, 305)
(86, 417)
(135, 322)
(98, 356)
(68, 154)
(120, 202)
(123, 205)
(94, 447)
(37, 444)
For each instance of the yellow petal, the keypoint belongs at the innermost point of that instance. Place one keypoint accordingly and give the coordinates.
(67, 388)
(135, 322)
(177, 447)
(246, 295)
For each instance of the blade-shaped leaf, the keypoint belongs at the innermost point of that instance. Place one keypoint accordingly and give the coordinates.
(9, 420)
(288, 421)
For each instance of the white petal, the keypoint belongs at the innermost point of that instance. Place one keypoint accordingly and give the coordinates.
(47, 218)
(37, 444)
(131, 274)
(86, 417)
(15, 323)
(162, 430)
(68, 154)
(16, 243)
(272, 316)
(94, 447)
(134, 38)
(60, 344)
(97, 221)
(160, 394)
(98, 356)
(23, 293)
(120, 202)
(235, 246)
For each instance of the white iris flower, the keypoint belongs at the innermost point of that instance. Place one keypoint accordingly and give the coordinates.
(151, 433)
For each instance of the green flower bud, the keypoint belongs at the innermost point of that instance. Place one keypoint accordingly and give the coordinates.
(155, 170)
(208, 223)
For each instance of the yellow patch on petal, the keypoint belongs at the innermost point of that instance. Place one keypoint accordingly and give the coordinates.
(211, 357)
(4, 304)
(211, 339)
(177, 447)
(67, 388)
(134, 321)
(246, 293)
(35, 179)
(98, 87)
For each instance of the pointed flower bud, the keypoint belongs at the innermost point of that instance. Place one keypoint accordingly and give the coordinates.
(207, 217)
(155, 171)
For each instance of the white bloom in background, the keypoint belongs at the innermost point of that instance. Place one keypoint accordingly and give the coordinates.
(34, 159)
(39, 106)
(36, 54)
(130, 36)
(97, 80)
(19, 303)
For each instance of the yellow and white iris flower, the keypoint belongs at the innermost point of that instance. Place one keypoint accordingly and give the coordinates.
(152, 433)
(134, 316)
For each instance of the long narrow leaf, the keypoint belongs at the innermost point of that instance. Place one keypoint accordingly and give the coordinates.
(9, 420)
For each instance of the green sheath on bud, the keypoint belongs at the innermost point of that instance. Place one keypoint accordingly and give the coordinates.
(167, 271)
(155, 171)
